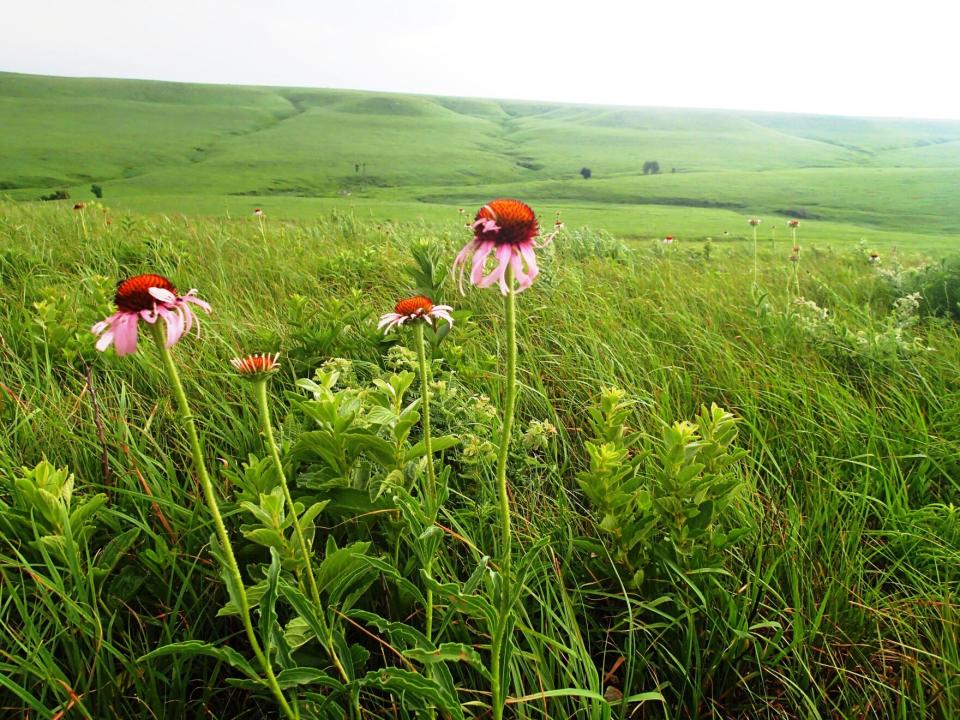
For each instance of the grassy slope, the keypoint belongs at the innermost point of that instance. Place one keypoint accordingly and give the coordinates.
(209, 149)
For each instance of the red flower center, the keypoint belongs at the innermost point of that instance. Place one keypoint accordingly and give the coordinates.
(414, 306)
(516, 220)
(133, 295)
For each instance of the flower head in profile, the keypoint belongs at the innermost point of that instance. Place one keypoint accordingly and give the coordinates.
(874, 256)
(793, 223)
(668, 240)
(507, 230)
(257, 212)
(257, 366)
(413, 309)
(148, 298)
(79, 206)
(754, 222)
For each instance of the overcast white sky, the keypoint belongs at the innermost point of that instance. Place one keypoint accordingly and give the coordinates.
(838, 57)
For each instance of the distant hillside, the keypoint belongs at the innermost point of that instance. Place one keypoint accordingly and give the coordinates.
(207, 147)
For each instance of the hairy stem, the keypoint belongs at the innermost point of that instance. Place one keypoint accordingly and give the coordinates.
(431, 489)
(498, 686)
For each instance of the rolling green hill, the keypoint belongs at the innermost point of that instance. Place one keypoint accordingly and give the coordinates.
(208, 149)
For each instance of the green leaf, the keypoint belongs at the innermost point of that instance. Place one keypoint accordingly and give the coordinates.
(439, 444)
(449, 652)
(413, 690)
(293, 677)
(195, 647)
(268, 604)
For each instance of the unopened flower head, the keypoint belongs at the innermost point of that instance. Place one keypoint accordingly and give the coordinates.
(256, 366)
(147, 298)
(796, 248)
(506, 229)
(794, 258)
(754, 222)
(412, 309)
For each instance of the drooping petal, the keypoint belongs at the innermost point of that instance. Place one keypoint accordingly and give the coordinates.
(523, 281)
(503, 255)
(191, 297)
(480, 261)
(105, 341)
(461, 260)
(174, 322)
(438, 312)
(125, 334)
(387, 319)
(530, 257)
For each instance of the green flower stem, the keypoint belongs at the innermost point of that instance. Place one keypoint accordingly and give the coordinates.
(174, 376)
(499, 636)
(260, 388)
(754, 254)
(431, 489)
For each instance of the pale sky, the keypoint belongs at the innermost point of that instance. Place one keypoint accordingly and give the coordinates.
(817, 56)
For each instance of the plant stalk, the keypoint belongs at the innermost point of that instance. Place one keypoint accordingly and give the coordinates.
(260, 388)
(498, 686)
(431, 489)
(227, 549)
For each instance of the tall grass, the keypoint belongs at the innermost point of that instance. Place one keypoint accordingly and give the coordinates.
(840, 601)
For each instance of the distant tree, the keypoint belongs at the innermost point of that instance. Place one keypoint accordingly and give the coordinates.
(97, 191)
(58, 195)
(586, 172)
(651, 167)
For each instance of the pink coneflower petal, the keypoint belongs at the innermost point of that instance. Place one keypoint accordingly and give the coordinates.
(530, 257)
(480, 260)
(125, 335)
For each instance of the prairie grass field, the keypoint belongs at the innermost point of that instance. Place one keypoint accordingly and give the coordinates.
(792, 553)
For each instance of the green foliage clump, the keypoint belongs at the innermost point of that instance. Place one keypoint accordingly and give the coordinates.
(676, 493)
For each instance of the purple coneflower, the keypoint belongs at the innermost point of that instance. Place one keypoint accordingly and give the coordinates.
(754, 222)
(412, 309)
(257, 212)
(146, 297)
(507, 229)
(793, 223)
(256, 366)
(668, 240)
(874, 256)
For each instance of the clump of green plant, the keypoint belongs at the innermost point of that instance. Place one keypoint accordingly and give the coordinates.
(677, 492)
(894, 337)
